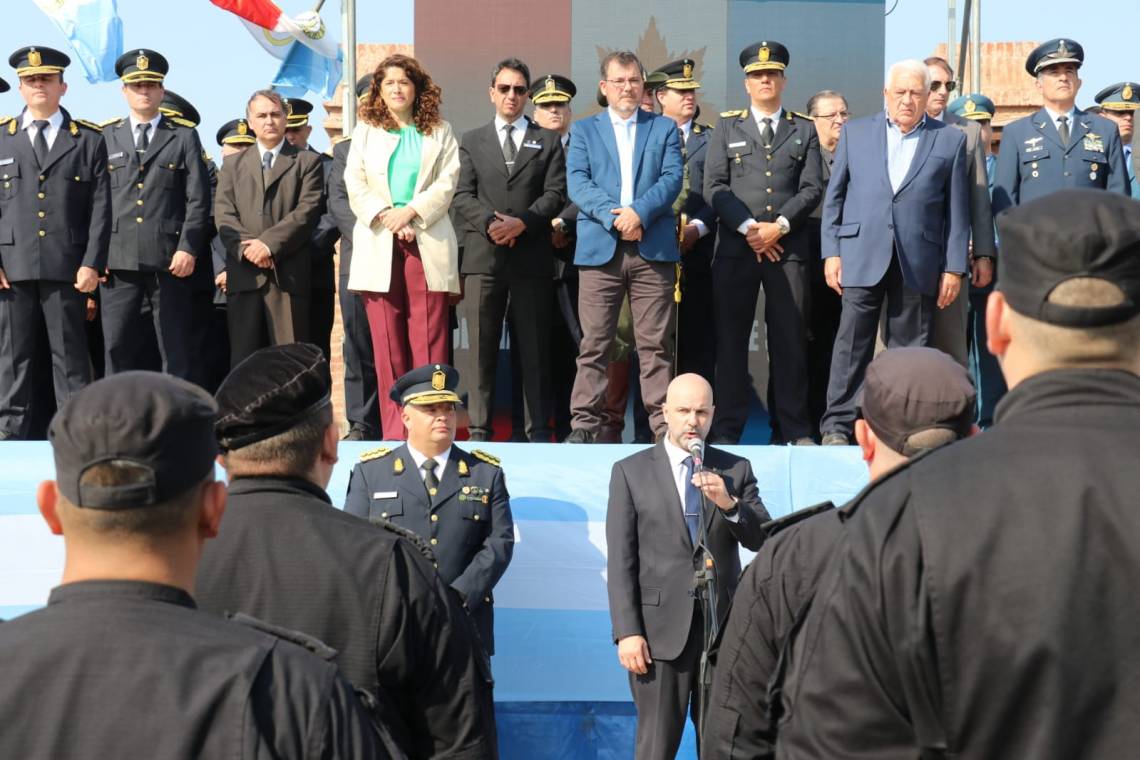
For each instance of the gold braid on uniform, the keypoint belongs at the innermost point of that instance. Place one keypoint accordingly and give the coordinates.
(484, 456)
(89, 124)
(377, 453)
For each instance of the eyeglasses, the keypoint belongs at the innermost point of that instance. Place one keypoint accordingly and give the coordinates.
(621, 83)
(950, 86)
(837, 116)
(505, 88)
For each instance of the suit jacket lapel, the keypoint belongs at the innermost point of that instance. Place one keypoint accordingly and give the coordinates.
(926, 138)
(605, 129)
(1081, 127)
(285, 160)
(449, 483)
(670, 500)
(162, 135)
(531, 135)
(640, 139)
(697, 142)
(494, 148)
(124, 141)
(1044, 125)
(64, 143)
(784, 129)
(429, 151)
(748, 126)
(250, 174)
(409, 482)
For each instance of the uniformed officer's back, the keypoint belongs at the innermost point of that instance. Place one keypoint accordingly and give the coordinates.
(120, 664)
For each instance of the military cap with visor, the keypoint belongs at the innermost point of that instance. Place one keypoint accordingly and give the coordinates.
(177, 107)
(552, 88)
(142, 65)
(1053, 52)
(4, 86)
(429, 384)
(236, 132)
(297, 112)
(270, 392)
(1122, 96)
(158, 425)
(766, 55)
(28, 61)
(974, 106)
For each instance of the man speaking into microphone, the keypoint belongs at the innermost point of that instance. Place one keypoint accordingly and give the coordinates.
(658, 500)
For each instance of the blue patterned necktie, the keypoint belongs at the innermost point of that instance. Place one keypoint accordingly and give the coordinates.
(692, 504)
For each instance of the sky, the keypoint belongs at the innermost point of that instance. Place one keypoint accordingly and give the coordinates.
(216, 64)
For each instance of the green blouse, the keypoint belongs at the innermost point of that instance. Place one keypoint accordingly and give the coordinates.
(404, 166)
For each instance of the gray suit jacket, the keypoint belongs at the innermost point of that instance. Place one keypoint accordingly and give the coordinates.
(651, 558)
(981, 215)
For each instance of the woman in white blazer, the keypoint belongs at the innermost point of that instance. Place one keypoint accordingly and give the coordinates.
(401, 173)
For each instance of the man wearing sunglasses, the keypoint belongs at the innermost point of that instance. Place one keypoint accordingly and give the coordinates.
(512, 183)
(948, 331)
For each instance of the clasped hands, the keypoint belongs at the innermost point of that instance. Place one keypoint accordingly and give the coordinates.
(628, 223)
(762, 238)
(505, 229)
(398, 221)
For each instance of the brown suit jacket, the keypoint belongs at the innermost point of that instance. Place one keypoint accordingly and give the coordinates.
(280, 212)
(981, 216)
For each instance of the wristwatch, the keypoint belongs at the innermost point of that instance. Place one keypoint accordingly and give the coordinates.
(783, 224)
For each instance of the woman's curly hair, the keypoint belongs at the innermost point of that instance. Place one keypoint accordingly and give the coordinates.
(425, 108)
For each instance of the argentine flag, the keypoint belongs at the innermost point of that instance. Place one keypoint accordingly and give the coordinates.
(94, 30)
(305, 70)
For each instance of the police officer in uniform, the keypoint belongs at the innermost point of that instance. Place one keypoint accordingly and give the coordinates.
(322, 243)
(55, 220)
(1118, 103)
(763, 177)
(160, 196)
(1059, 146)
(120, 662)
(456, 500)
(396, 630)
(979, 612)
(361, 399)
(696, 223)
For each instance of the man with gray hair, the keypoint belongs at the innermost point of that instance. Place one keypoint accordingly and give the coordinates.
(267, 203)
(897, 237)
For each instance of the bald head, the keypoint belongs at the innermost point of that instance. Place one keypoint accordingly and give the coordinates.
(688, 409)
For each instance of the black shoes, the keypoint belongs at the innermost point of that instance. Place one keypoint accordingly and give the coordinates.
(580, 435)
(835, 438)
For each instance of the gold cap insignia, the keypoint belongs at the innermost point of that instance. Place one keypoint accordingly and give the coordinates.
(764, 55)
(34, 58)
(550, 84)
(1126, 93)
(687, 70)
(142, 63)
(242, 128)
(438, 380)
(970, 106)
(1062, 49)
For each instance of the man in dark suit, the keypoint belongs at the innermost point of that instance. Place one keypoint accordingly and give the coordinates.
(55, 219)
(160, 202)
(1059, 146)
(456, 501)
(512, 183)
(763, 177)
(624, 171)
(652, 535)
(948, 331)
(696, 223)
(896, 227)
(322, 245)
(396, 632)
(268, 202)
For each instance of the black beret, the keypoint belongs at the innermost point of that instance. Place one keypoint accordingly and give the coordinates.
(271, 391)
(915, 390)
(429, 384)
(155, 422)
(141, 66)
(1069, 234)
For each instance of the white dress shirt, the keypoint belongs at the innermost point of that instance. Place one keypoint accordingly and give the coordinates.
(419, 459)
(625, 132)
(1071, 114)
(55, 123)
(276, 151)
(677, 457)
(900, 150)
(520, 126)
(150, 133)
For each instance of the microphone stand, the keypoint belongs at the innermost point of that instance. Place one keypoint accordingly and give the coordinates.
(704, 589)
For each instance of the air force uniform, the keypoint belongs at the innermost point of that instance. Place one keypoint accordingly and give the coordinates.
(1122, 98)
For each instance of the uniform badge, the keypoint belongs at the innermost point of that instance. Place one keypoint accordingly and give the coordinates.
(398, 466)
(1062, 50)
(142, 63)
(463, 468)
(1093, 143)
(763, 55)
(438, 380)
(243, 128)
(970, 106)
(34, 57)
(466, 489)
(550, 84)
(687, 71)
(486, 498)
(1126, 93)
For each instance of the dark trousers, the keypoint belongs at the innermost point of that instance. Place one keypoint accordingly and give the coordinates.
(268, 316)
(737, 284)
(601, 291)
(908, 319)
(322, 313)
(664, 694)
(696, 325)
(984, 367)
(127, 298)
(486, 301)
(948, 327)
(361, 402)
(824, 309)
(62, 309)
(566, 335)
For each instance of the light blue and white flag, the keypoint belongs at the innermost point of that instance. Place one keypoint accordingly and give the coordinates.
(304, 70)
(93, 29)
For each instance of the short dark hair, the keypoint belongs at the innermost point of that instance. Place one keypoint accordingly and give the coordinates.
(937, 60)
(155, 521)
(291, 453)
(624, 58)
(813, 101)
(268, 95)
(514, 64)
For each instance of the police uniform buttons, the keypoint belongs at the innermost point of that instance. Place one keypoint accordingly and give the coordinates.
(1092, 175)
(434, 541)
(769, 156)
(41, 196)
(139, 202)
(1094, 167)
(77, 178)
(769, 190)
(7, 184)
(140, 186)
(768, 174)
(5, 176)
(1033, 165)
(138, 219)
(383, 514)
(767, 208)
(43, 178)
(42, 233)
(435, 565)
(435, 518)
(170, 166)
(487, 599)
(40, 214)
(432, 491)
(476, 517)
(1067, 174)
(1035, 174)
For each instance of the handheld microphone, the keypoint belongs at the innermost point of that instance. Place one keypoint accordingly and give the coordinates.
(697, 451)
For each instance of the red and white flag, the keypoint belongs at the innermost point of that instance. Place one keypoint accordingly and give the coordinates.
(275, 31)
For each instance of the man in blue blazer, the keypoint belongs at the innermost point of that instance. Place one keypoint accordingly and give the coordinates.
(896, 226)
(624, 172)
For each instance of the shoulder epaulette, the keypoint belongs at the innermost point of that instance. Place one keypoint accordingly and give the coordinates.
(772, 527)
(13, 125)
(411, 537)
(341, 138)
(484, 456)
(207, 158)
(801, 115)
(5, 119)
(732, 114)
(312, 643)
(376, 453)
(89, 124)
(182, 122)
(115, 121)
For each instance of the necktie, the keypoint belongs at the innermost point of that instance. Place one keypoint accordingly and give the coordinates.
(509, 151)
(767, 135)
(144, 139)
(266, 165)
(1063, 129)
(431, 482)
(39, 145)
(692, 502)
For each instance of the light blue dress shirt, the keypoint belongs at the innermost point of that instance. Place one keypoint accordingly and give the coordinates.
(625, 132)
(900, 150)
